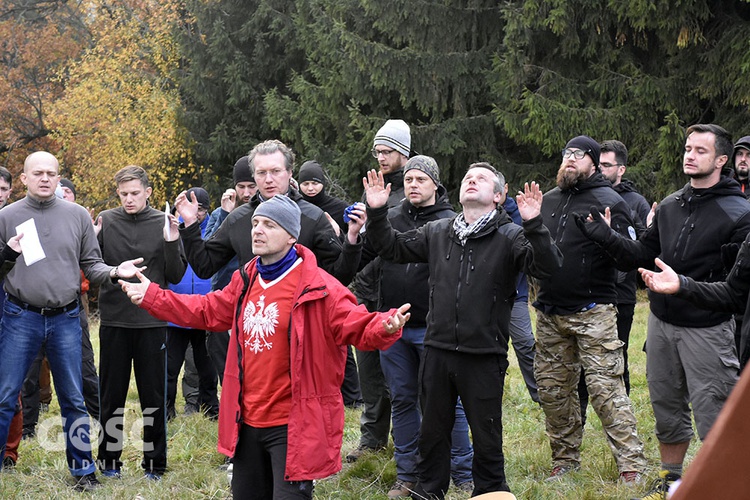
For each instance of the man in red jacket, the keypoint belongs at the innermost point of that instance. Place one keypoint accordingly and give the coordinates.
(281, 414)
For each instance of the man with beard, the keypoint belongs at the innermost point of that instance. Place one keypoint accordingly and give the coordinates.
(576, 320)
(741, 161)
(691, 357)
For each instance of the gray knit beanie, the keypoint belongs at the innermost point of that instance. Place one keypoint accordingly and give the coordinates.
(283, 211)
(394, 134)
(426, 164)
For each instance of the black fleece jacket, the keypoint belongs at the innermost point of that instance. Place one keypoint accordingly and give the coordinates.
(697, 232)
(472, 287)
(588, 274)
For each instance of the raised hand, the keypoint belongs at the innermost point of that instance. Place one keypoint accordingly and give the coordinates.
(529, 201)
(187, 208)
(667, 281)
(228, 200)
(376, 192)
(398, 320)
(357, 220)
(174, 229)
(651, 213)
(136, 291)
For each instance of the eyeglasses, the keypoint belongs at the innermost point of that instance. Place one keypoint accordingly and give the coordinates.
(377, 152)
(610, 165)
(261, 174)
(577, 153)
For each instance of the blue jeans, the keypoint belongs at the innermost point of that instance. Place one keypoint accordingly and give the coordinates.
(21, 335)
(400, 364)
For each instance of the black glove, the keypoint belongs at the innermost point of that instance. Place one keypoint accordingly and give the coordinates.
(597, 230)
(729, 253)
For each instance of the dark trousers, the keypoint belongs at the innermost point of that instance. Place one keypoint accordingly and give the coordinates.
(177, 343)
(147, 351)
(625, 313)
(375, 422)
(478, 379)
(350, 386)
(217, 344)
(260, 465)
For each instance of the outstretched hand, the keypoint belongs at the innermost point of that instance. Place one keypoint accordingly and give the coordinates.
(529, 201)
(376, 192)
(136, 291)
(129, 268)
(667, 281)
(394, 323)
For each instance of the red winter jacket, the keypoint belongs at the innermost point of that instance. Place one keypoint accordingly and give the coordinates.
(325, 318)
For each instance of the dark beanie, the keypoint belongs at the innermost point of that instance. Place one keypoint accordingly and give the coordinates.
(201, 195)
(426, 164)
(311, 171)
(242, 171)
(68, 184)
(586, 143)
(744, 143)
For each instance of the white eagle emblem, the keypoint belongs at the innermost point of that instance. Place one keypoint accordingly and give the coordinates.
(260, 324)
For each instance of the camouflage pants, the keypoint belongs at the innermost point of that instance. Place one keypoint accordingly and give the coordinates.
(563, 345)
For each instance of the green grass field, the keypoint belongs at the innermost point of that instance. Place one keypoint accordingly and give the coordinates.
(194, 464)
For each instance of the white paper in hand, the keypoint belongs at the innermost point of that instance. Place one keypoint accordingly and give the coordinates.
(167, 225)
(31, 247)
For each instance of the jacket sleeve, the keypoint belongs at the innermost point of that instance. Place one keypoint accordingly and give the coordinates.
(213, 311)
(340, 261)
(214, 221)
(541, 257)
(402, 248)
(629, 254)
(352, 324)
(730, 295)
(207, 256)
(175, 261)
(8, 258)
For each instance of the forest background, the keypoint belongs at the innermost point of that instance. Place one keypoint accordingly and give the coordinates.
(184, 88)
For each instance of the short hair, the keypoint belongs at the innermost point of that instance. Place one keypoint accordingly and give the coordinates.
(499, 178)
(6, 175)
(722, 139)
(616, 147)
(131, 173)
(268, 148)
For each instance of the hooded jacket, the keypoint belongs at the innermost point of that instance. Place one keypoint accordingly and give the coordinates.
(588, 274)
(331, 205)
(472, 288)
(698, 233)
(325, 319)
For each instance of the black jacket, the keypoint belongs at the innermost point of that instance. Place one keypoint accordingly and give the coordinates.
(639, 207)
(331, 205)
(588, 274)
(696, 232)
(233, 238)
(401, 283)
(471, 288)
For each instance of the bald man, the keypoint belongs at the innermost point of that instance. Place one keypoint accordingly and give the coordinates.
(43, 289)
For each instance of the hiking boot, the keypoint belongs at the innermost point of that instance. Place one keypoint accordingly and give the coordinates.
(89, 482)
(660, 486)
(631, 478)
(357, 453)
(401, 489)
(558, 471)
